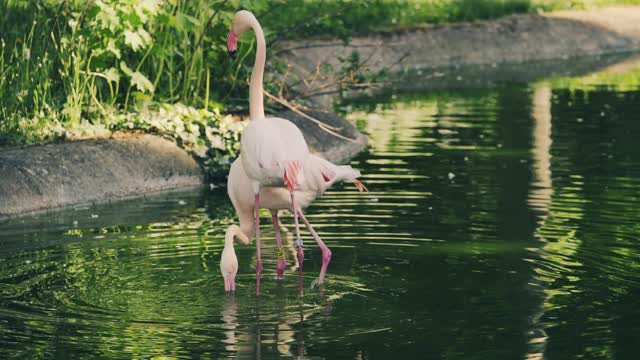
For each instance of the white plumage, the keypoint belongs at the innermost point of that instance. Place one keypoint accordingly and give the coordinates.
(268, 146)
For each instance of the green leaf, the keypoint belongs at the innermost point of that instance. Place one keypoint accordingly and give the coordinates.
(141, 82)
(112, 75)
(137, 39)
(137, 78)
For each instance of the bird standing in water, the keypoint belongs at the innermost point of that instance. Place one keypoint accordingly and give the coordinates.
(320, 175)
(275, 160)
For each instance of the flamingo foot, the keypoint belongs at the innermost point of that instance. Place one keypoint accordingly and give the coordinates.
(326, 258)
(360, 185)
(326, 253)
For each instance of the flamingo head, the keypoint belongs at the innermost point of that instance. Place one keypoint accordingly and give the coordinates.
(242, 21)
(228, 260)
(232, 44)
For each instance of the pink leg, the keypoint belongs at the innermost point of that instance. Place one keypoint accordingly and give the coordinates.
(279, 250)
(259, 261)
(291, 181)
(326, 253)
(298, 243)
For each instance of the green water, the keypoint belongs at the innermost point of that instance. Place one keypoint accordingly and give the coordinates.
(502, 223)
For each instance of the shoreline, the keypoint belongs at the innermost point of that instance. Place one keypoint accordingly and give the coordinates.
(488, 46)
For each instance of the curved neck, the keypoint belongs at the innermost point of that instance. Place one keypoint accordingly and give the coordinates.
(228, 240)
(256, 106)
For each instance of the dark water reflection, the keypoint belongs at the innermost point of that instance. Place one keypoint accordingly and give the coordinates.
(502, 223)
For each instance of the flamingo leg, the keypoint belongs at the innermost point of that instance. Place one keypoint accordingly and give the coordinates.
(291, 181)
(279, 249)
(299, 243)
(259, 261)
(326, 253)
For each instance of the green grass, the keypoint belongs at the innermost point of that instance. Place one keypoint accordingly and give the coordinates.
(344, 18)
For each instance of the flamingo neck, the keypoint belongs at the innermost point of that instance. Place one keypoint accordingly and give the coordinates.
(246, 218)
(256, 106)
(228, 241)
(228, 237)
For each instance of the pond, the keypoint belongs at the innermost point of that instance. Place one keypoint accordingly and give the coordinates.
(502, 222)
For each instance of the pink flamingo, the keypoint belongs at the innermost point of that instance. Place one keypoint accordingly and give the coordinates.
(274, 152)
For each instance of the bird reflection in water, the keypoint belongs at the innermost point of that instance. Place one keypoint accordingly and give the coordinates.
(281, 328)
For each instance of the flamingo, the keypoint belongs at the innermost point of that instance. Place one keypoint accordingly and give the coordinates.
(273, 150)
(320, 175)
(228, 259)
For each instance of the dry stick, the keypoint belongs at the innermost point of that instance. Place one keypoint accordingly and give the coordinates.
(282, 83)
(313, 79)
(321, 125)
(318, 91)
(325, 111)
(295, 109)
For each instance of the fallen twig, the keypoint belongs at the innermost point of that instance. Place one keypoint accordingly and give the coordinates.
(327, 128)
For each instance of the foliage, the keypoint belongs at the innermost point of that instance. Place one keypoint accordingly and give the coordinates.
(87, 68)
(207, 135)
(70, 66)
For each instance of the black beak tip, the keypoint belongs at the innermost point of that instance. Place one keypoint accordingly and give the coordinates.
(233, 54)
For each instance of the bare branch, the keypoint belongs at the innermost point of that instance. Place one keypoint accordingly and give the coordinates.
(327, 128)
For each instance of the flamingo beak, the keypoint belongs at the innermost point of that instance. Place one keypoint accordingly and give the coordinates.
(232, 44)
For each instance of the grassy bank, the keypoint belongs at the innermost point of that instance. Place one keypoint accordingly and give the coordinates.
(71, 68)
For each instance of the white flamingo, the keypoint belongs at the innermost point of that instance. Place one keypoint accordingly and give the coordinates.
(274, 152)
(320, 174)
(228, 259)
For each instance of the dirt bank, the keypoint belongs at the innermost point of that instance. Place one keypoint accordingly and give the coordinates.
(55, 175)
(488, 44)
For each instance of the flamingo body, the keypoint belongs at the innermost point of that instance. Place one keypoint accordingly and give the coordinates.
(268, 146)
(320, 175)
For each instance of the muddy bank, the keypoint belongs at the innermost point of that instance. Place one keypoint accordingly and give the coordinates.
(485, 45)
(55, 175)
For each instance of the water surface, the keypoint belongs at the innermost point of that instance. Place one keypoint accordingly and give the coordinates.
(503, 222)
